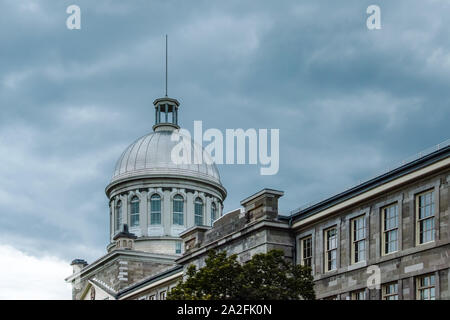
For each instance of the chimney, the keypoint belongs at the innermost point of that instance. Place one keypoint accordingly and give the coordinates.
(78, 264)
(262, 205)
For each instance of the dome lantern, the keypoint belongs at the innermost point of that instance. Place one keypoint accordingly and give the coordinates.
(166, 114)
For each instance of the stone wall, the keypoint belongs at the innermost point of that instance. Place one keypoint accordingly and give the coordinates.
(403, 266)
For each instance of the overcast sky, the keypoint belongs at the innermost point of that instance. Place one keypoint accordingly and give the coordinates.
(349, 102)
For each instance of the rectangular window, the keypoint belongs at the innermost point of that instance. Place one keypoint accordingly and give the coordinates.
(134, 220)
(389, 221)
(178, 247)
(358, 239)
(359, 295)
(118, 215)
(426, 287)
(306, 251)
(155, 210)
(134, 212)
(198, 219)
(198, 212)
(390, 291)
(425, 217)
(178, 215)
(178, 218)
(330, 249)
(162, 295)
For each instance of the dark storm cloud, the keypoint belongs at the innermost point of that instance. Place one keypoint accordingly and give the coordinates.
(348, 101)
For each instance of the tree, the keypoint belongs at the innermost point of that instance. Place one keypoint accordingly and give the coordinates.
(271, 276)
(216, 281)
(265, 276)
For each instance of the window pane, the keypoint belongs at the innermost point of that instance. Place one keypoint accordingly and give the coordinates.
(155, 209)
(198, 208)
(426, 287)
(432, 293)
(134, 212)
(178, 247)
(178, 214)
(118, 215)
(213, 213)
(307, 251)
(331, 239)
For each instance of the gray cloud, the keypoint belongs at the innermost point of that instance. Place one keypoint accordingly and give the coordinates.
(348, 101)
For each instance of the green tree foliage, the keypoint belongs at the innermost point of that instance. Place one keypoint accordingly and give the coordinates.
(265, 276)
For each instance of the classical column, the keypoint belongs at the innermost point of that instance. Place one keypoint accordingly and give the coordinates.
(166, 213)
(189, 210)
(207, 220)
(143, 213)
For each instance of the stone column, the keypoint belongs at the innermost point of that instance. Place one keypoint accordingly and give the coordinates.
(166, 212)
(207, 220)
(189, 210)
(143, 213)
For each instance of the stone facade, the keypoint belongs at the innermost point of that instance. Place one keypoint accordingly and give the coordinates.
(117, 271)
(402, 267)
(259, 228)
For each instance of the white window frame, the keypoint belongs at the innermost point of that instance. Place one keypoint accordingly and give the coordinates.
(432, 217)
(421, 288)
(327, 248)
(197, 216)
(355, 242)
(385, 232)
(152, 213)
(387, 296)
(303, 258)
(355, 294)
(134, 215)
(180, 213)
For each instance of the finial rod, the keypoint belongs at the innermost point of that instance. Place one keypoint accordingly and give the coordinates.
(166, 65)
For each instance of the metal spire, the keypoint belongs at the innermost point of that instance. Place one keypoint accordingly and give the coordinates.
(166, 65)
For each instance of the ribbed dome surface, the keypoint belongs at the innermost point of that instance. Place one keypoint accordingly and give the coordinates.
(151, 155)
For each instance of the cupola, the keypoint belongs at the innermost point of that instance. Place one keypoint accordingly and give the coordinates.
(166, 114)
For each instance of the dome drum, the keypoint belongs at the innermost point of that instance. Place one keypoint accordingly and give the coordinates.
(157, 198)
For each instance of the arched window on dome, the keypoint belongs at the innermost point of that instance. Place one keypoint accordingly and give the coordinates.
(178, 210)
(213, 212)
(198, 212)
(118, 215)
(155, 209)
(134, 214)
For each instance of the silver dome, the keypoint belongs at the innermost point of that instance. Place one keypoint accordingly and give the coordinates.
(150, 155)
